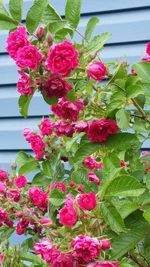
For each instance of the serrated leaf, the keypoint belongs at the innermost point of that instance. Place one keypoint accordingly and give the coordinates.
(84, 151)
(15, 7)
(146, 215)
(124, 186)
(24, 102)
(112, 217)
(3, 10)
(123, 119)
(133, 91)
(51, 101)
(7, 23)
(40, 180)
(35, 14)
(96, 44)
(90, 27)
(72, 12)
(111, 162)
(22, 158)
(57, 197)
(143, 70)
(29, 167)
(121, 141)
(125, 207)
(46, 165)
(50, 15)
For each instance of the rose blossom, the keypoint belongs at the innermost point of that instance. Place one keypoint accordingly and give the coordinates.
(87, 201)
(64, 128)
(146, 58)
(90, 162)
(1, 258)
(20, 181)
(13, 195)
(3, 216)
(97, 71)
(24, 85)
(148, 48)
(104, 264)
(39, 198)
(28, 134)
(65, 109)
(28, 57)
(16, 40)
(22, 225)
(122, 163)
(80, 126)
(2, 188)
(100, 130)
(36, 142)
(85, 248)
(62, 59)
(46, 126)
(56, 86)
(68, 215)
(3, 175)
(92, 177)
(59, 185)
(105, 244)
(45, 221)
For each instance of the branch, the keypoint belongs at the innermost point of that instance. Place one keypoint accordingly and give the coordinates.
(144, 116)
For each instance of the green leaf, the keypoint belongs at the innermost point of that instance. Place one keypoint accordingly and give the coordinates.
(28, 167)
(123, 119)
(7, 23)
(50, 15)
(124, 186)
(40, 180)
(125, 207)
(112, 217)
(120, 73)
(134, 90)
(85, 150)
(90, 27)
(24, 102)
(143, 70)
(146, 215)
(57, 197)
(97, 43)
(147, 180)
(3, 10)
(46, 165)
(35, 14)
(22, 158)
(147, 247)
(121, 141)
(111, 162)
(72, 12)
(51, 101)
(15, 7)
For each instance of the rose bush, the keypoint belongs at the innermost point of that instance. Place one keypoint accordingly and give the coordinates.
(89, 202)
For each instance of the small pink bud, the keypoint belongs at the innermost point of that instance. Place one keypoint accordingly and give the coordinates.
(45, 221)
(49, 38)
(1, 258)
(40, 32)
(105, 244)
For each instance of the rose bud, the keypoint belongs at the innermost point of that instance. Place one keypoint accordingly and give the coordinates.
(105, 244)
(97, 71)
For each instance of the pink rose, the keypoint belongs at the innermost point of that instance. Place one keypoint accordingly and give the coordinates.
(24, 85)
(40, 32)
(22, 226)
(1, 258)
(144, 153)
(3, 175)
(16, 40)
(20, 181)
(13, 195)
(148, 48)
(133, 72)
(28, 134)
(104, 264)
(100, 130)
(146, 58)
(68, 215)
(92, 177)
(28, 57)
(37, 144)
(62, 59)
(39, 198)
(46, 126)
(122, 163)
(64, 128)
(85, 248)
(65, 109)
(105, 244)
(90, 162)
(97, 71)
(80, 126)
(45, 221)
(2, 188)
(56, 86)
(3, 216)
(59, 185)
(87, 201)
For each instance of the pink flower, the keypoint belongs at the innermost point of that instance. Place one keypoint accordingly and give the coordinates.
(39, 198)
(90, 162)
(22, 225)
(105, 244)
(45, 221)
(46, 126)
(64, 128)
(62, 59)
(16, 40)
(28, 57)
(148, 48)
(97, 71)
(146, 58)
(85, 248)
(92, 177)
(13, 195)
(81, 126)
(40, 32)
(87, 201)
(100, 130)
(65, 109)
(3, 216)
(37, 144)
(20, 181)
(2, 188)
(133, 72)
(122, 163)
(104, 264)
(24, 84)
(68, 215)
(56, 86)
(28, 134)
(3, 175)
(59, 185)
(1, 258)
(144, 153)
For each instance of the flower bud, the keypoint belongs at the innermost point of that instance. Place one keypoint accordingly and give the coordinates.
(97, 71)
(105, 244)
(40, 32)
(49, 38)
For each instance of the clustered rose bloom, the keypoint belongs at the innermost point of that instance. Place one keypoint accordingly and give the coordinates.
(13, 195)
(104, 264)
(28, 57)
(46, 126)
(20, 181)
(80, 126)
(22, 226)
(87, 201)
(56, 86)
(62, 59)
(39, 198)
(16, 40)
(24, 85)
(65, 109)
(97, 71)
(147, 57)
(100, 130)
(86, 248)
(64, 128)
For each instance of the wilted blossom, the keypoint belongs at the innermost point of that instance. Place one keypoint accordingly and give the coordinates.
(39, 198)
(97, 71)
(62, 59)
(86, 248)
(24, 85)
(92, 177)
(104, 264)
(64, 128)
(65, 109)
(46, 126)
(100, 130)
(87, 201)
(20, 181)
(105, 244)
(28, 57)
(56, 86)
(68, 214)
(16, 40)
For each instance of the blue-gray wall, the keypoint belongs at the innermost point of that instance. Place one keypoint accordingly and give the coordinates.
(129, 23)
